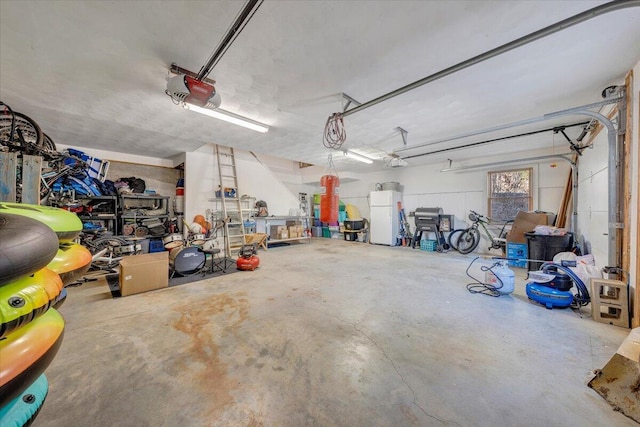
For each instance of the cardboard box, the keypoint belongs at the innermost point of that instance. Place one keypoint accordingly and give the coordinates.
(276, 230)
(525, 222)
(293, 234)
(283, 235)
(292, 222)
(142, 273)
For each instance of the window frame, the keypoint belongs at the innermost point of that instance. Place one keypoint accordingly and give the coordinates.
(489, 190)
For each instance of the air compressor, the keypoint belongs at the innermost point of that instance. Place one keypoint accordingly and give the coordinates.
(247, 259)
(552, 284)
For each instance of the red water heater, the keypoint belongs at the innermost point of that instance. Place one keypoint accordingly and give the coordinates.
(329, 198)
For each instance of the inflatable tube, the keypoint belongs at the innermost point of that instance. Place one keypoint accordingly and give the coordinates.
(26, 245)
(71, 261)
(27, 352)
(27, 298)
(22, 410)
(66, 224)
(60, 300)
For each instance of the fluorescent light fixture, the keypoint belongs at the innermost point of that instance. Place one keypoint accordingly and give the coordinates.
(356, 156)
(564, 156)
(230, 117)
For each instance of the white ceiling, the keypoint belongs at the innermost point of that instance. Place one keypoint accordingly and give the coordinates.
(93, 74)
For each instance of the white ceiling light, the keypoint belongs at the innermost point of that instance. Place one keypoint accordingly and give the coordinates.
(230, 117)
(356, 156)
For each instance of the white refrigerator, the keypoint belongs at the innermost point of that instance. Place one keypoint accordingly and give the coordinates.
(384, 217)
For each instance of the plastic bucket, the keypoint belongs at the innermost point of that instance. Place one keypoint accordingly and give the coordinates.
(544, 248)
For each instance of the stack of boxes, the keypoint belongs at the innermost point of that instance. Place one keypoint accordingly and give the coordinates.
(295, 229)
(279, 232)
(292, 230)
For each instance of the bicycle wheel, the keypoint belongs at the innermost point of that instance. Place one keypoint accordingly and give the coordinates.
(452, 239)
(48, 143)
(468, 240)
(22, 125)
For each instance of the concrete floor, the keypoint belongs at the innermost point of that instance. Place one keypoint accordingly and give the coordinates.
(328, 333)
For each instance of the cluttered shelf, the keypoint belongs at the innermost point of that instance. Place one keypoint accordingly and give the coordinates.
(284, 228)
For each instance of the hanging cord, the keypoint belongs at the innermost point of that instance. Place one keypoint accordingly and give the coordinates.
(480, 287)
(330, 166)
(334, 132)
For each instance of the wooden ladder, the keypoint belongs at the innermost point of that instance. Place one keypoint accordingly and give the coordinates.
(229, 197)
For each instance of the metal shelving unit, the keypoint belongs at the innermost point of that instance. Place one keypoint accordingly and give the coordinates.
(264, 223)
(138, 210)
(107, 217)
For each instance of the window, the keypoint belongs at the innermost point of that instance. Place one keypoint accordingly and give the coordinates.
(509, 192)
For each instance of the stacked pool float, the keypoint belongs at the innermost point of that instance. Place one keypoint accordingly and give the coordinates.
(36, 253)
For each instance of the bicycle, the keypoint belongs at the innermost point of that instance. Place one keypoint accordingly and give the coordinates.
(467, 240)
(107, 250)
(19, 132)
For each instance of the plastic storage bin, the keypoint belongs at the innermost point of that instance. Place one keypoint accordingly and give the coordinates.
(155, 246)
(544, 248)
(428, 245)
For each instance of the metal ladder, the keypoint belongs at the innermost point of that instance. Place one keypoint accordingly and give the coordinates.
(229, 198)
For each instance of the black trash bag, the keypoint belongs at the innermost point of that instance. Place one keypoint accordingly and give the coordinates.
(136, 185)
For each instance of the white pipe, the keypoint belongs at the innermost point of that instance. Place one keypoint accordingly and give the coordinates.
(509, 125)
(612, 175)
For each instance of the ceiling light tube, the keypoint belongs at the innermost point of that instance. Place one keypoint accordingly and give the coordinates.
(565, 156)
(356, 156)
(230, 117)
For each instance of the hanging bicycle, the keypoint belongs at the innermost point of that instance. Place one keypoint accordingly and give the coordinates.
(467, 240)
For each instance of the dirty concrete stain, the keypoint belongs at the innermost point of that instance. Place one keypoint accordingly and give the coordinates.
(253, 422)
(216, 316)
(409, 415)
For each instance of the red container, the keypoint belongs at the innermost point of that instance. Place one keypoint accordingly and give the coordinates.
(329, 198)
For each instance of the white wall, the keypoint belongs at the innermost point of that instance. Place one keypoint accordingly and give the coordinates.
(256, 178)
(199, 179)
(276, 181)
(593, 211)
(458, 192)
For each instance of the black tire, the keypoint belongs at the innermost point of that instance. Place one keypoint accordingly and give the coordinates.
(453, 238)
(468, 240)
(28, 128)
(26, 246)
(48, 144)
